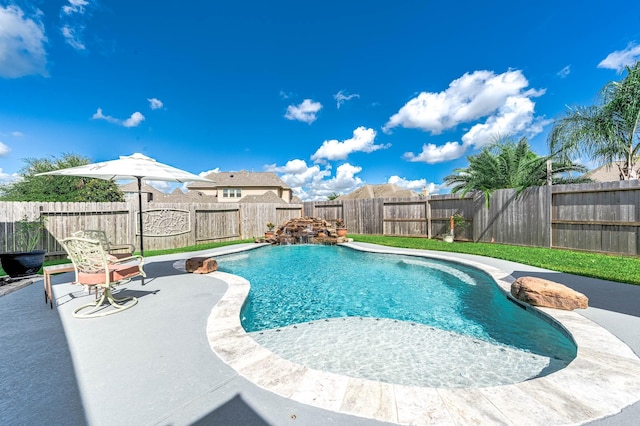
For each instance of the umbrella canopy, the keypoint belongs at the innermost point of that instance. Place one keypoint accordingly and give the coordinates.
(129, 167)
(132, 167)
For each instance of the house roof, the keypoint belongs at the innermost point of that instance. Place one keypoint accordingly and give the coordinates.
(267, 197)
(386, 190)
(189, 197)
(133, 187)
(607, 173)
(243, 179)
(177, 195)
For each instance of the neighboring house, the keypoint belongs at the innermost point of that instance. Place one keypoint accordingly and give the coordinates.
(178, 196)
(267, 197)
(386, 190)
(149, 193)
(232, 187)
(607, 173)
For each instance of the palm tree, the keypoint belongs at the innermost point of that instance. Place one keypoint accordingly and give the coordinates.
(508, 164)
(607, 132)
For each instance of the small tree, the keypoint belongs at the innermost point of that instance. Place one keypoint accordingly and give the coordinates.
(28, 233)
(508, 164)
(58, 188)
(606, 132)
(457, 223)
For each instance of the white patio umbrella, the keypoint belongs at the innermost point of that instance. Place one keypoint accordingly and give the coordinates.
(133, 167)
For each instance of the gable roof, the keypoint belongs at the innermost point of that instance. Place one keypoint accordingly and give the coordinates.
(267, 197)
(385, 190)
(607, 173)
(242, 179)
(133, 187)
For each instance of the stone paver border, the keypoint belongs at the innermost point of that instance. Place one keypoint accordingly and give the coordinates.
(602, 379)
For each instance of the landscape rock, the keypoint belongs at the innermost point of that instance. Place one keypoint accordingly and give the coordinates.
(305, 230)
(549, 294)
(201, 265)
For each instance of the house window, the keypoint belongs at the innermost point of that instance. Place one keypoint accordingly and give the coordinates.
(232, 193)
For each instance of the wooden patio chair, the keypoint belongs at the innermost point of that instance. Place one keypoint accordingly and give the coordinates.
(94, 267)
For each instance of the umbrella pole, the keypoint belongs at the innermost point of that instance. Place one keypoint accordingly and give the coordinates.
(140, 218)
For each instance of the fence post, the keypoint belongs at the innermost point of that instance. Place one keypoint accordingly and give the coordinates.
(428, 207)
(550, 201)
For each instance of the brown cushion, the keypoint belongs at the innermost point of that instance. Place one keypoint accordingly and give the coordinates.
(112, 257)
(116, 273)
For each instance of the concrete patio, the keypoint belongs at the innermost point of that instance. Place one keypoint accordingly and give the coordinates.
(154, 363)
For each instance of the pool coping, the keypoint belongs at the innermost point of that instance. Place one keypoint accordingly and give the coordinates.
(602, 379)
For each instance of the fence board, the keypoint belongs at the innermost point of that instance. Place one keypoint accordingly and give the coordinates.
(405, 218)
(599, 217)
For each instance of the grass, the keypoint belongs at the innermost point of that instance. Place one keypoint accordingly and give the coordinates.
(624, 269)
(150, 253)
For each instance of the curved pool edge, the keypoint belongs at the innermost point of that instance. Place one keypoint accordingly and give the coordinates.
(602, 379)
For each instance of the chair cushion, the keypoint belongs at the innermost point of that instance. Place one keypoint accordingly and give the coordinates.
(116, 273)
(112, 257)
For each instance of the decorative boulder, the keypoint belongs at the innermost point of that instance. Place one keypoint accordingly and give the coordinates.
(549, 294)
(201, 265)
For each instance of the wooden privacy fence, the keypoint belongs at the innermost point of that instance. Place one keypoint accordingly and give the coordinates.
(598, 217)
(166, 225)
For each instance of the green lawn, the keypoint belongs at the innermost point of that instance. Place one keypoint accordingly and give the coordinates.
(624, 269)
(149, 253)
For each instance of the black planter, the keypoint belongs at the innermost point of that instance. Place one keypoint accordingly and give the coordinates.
(22, 263)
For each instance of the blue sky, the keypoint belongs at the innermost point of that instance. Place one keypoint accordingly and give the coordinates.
(329, 95)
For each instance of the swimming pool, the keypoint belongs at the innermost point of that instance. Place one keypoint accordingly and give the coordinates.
(445, 307)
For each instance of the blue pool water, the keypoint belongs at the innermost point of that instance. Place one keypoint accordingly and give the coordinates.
(302, 283)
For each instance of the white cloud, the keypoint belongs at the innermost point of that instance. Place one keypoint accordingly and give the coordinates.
(433, 188)
(432, 154)
(305, 112)
(343, 97)
(161, 185)
(313, 183)
(514, 116)
(418, 185)
(620, 59)
(155, 103)
(72, 38)
(564, 72)
(297, 174)
(414, 185)
(208, 172)
(21, 44)
(72, 17)
(17, 134)
(362, 141)
(344, 182)
(74, 6)
(4, 149)
(467, 99)
(501, 100)
(7, 178)
(133, 121)
(100, 116)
